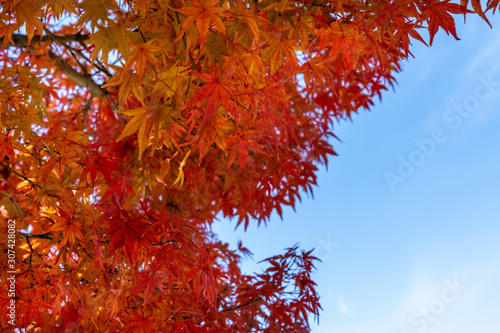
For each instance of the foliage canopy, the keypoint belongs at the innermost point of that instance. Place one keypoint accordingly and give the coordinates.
(128, 126)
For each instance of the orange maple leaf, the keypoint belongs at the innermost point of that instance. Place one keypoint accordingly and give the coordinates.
(204, 14)
(438, 15)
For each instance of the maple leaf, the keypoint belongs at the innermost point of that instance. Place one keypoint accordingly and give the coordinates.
(492, 4)
(137, 321)
(215, 91)
(107, 38)
(67, 226)
(140, 55)
(280, 50)
(149, 281)
(203, 13)
(59, 6)
(246, 252)
(437, 14)
(96, 11)
(129, 83)
(476, 5)
(71, 318)
(29, 13)
(348, 43)
(6, 149)
(127, 234)
(170, 82)
(32, 302)
(100, 163)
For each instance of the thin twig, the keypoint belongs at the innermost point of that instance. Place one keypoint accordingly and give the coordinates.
(32, 183)
(47, 235)
(255, 300)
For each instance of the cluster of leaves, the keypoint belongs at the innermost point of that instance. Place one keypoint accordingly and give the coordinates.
(126, 127)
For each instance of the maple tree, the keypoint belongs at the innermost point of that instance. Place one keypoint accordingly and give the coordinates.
(128, 126)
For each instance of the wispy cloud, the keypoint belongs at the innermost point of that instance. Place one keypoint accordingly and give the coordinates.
(344, 309)
(484, 56)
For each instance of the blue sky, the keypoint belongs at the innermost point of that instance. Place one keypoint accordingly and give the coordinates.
(420, 252)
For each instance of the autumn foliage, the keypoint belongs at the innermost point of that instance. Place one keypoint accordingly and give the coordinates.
(127, 126)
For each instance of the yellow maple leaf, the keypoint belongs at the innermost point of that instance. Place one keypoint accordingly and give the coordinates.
(140, 55)
(29, 12)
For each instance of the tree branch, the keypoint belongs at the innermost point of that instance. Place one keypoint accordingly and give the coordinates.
(32, 183)
(22, 40)
(80, 79)
(242, 306)
(62, 41)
